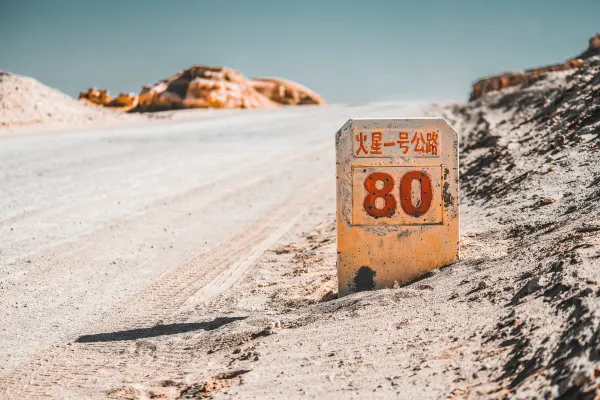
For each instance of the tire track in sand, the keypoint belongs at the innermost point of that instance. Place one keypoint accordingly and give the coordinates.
(72, 369)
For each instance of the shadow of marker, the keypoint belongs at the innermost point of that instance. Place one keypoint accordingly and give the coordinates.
(158, 330)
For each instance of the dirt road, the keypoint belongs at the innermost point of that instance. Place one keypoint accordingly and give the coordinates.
(194, 259)
(110, 231)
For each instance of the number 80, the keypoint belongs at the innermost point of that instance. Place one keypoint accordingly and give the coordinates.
(390, 203)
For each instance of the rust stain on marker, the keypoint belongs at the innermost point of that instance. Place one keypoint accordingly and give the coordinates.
(448, 198)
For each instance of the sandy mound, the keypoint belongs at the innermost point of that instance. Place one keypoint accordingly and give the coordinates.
(286, 92)
(529, 166)
(202, 87)
(26, 102)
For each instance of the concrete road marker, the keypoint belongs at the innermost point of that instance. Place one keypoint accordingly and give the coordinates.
(397, 200)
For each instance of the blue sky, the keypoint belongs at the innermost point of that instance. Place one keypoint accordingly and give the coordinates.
(349, 51)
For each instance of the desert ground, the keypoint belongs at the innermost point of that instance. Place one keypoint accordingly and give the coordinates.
(192, 254)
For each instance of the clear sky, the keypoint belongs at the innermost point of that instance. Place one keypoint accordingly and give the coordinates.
(349, 51)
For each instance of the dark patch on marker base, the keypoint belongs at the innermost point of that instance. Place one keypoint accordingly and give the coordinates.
(448, 198)
(364, 280)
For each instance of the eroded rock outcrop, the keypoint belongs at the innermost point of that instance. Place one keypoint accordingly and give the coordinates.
(203, 87)
(510, 79)
(286, 92)
(208, 87)
(124, 101)
(498, 82)
(593, 47)
(99, 97)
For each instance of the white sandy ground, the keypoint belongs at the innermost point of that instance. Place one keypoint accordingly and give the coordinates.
(189, 260)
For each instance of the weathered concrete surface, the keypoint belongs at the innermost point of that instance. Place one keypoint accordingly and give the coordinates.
(385, 236)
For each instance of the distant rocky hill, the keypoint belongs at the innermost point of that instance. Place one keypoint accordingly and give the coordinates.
(509, 79)
(286, 92)
(208, 87)
(202, 87)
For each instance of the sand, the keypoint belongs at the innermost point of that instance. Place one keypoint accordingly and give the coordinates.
(254, 316)
(27, 105)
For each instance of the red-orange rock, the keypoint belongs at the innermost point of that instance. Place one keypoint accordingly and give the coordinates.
(575, 63)
(203, 87)
(510, 79)
(96, 96)
(124, 101)
(498, 82)
(286, 92)
(101, 97)
(208, 87)
(593, 47)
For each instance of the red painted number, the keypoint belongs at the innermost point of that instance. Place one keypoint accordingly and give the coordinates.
(406, 193)
(389, 201)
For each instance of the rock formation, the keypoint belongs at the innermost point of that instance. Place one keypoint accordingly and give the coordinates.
(124, 101)
(593, 48)
(95, 96)
(286, 92)
(208, 87)
(203, 87)
(510, 79)
(101, 97)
